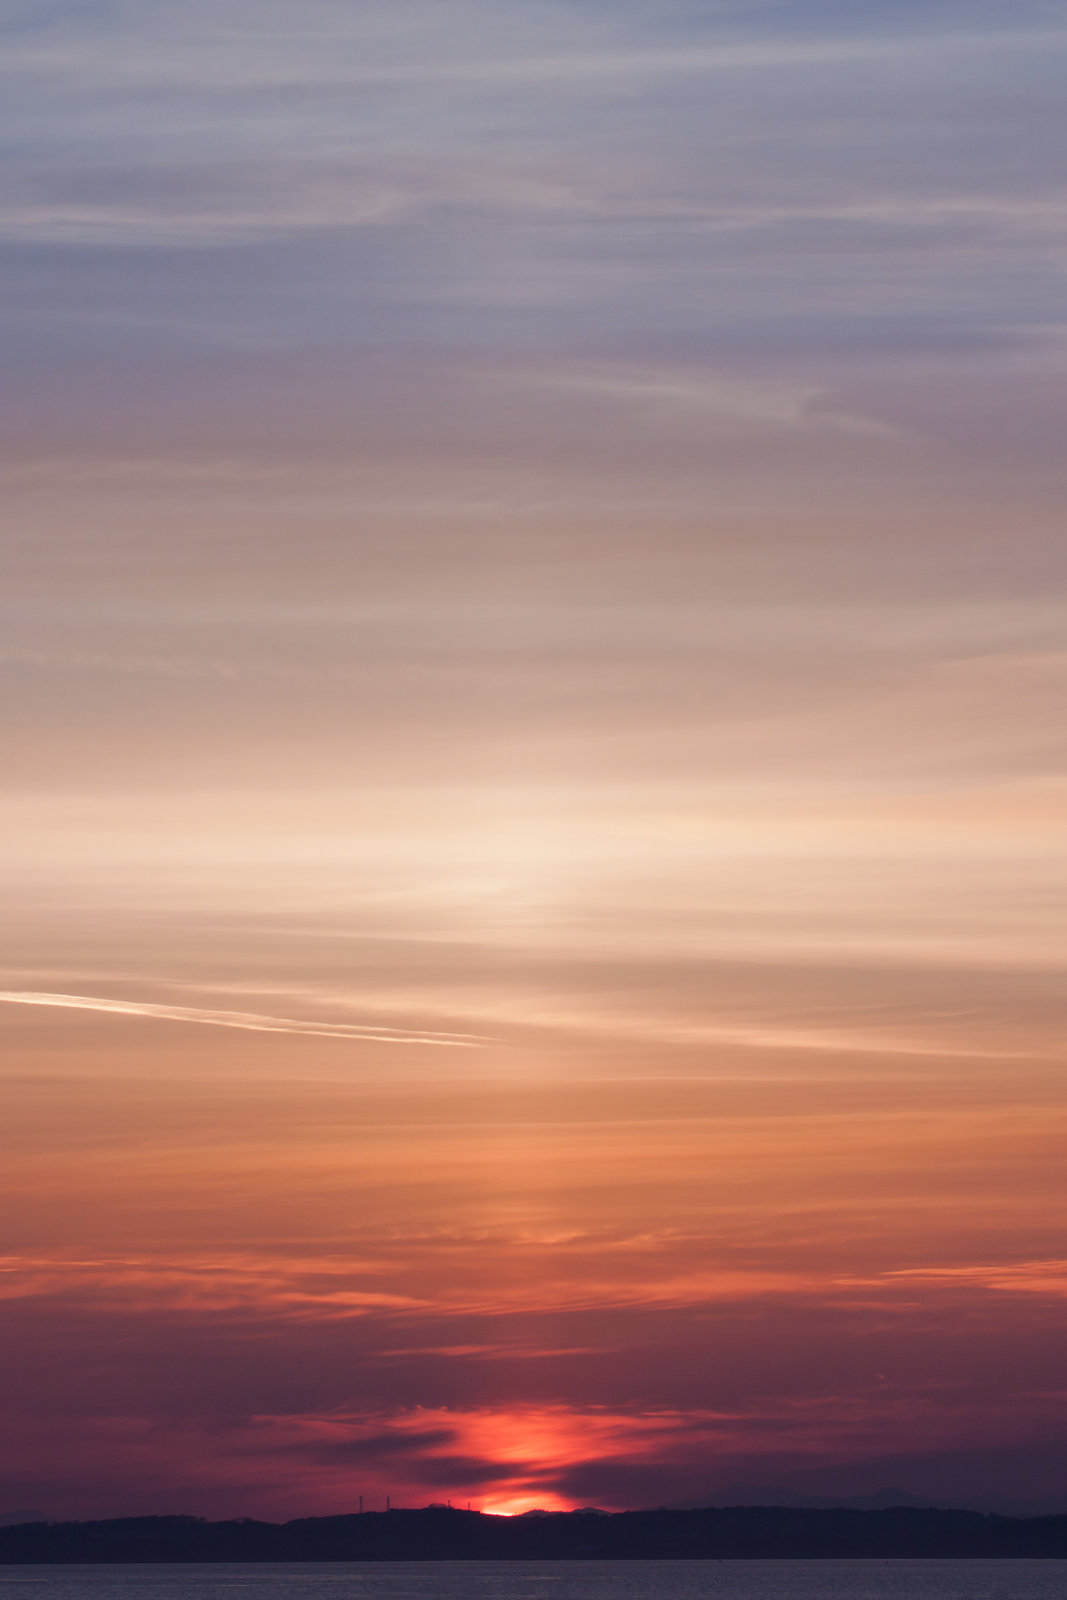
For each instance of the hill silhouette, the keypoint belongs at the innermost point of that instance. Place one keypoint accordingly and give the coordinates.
(441, 1533)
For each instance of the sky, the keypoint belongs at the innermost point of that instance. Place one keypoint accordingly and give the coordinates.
(534, 648)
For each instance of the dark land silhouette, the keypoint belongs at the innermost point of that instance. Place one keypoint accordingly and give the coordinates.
(440, 1533)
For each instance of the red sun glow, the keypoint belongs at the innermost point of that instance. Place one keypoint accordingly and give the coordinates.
(517, 1505)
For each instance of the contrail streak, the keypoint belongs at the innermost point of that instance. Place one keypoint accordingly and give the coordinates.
(248, 1020)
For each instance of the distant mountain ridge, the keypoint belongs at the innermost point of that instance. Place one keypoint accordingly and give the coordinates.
(749, 1494)
(441, 1533)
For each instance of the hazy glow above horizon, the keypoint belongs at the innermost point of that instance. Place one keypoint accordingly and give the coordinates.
(533, 617)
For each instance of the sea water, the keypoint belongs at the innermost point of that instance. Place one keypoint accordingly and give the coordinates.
(546, 1580)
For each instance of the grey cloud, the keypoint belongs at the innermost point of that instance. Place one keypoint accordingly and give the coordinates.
(377, 1446)
(306, 150)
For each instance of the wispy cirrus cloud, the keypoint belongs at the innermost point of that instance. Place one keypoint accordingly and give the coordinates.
(237, 48)
(1012, 1277)
(250, 1021)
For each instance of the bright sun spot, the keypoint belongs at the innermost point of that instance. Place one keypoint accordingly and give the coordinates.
(517, 1505)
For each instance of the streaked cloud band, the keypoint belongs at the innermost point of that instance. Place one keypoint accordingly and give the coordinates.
(251, 1021)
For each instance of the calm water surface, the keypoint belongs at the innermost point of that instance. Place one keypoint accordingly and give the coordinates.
(548, 1580)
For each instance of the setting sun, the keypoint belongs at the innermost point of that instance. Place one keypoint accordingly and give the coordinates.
(521, 1505)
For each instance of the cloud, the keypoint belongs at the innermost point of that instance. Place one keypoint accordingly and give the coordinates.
(250, 1021)
(313, 1289)
(361, 1447)
(236, 47)
(679, 397)
(1015, 1277)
